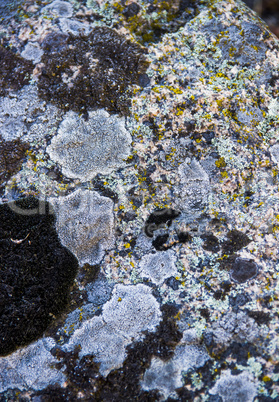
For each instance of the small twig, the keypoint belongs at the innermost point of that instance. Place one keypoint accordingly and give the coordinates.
(19, 241)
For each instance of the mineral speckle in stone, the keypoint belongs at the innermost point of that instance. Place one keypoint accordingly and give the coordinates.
(85, 224)
(231, 388)
(85, 148)
(158, 266)
(30, 367)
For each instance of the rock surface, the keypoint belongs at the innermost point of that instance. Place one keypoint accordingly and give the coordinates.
(152, 130)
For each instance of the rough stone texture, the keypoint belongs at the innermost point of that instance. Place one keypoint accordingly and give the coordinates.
(184, 231)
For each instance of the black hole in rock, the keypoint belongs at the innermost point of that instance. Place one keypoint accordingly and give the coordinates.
(36, 272)
(158, 218)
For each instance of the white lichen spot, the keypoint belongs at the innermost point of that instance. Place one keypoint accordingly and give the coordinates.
(231, 388)
(193, 189)
(273, 109)
(73, 27)
(86, 148)
(59, 9)
(17, 110)
(167, 376)
(236, 326)
(85, 224)
(33, 52)
(30, 367)
(274, 152)
(158, 266)
(97, 338)
(131, 310)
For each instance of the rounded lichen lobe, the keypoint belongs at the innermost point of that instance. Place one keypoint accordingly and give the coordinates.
(243, 269)
(85, 224)
(86, 148)
(91, 71)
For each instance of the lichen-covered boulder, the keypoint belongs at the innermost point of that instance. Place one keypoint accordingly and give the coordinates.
(152, 130)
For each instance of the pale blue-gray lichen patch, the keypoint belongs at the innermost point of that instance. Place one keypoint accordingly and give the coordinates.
(86, 148)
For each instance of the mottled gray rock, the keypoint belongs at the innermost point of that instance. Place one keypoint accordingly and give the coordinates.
(198, 136)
